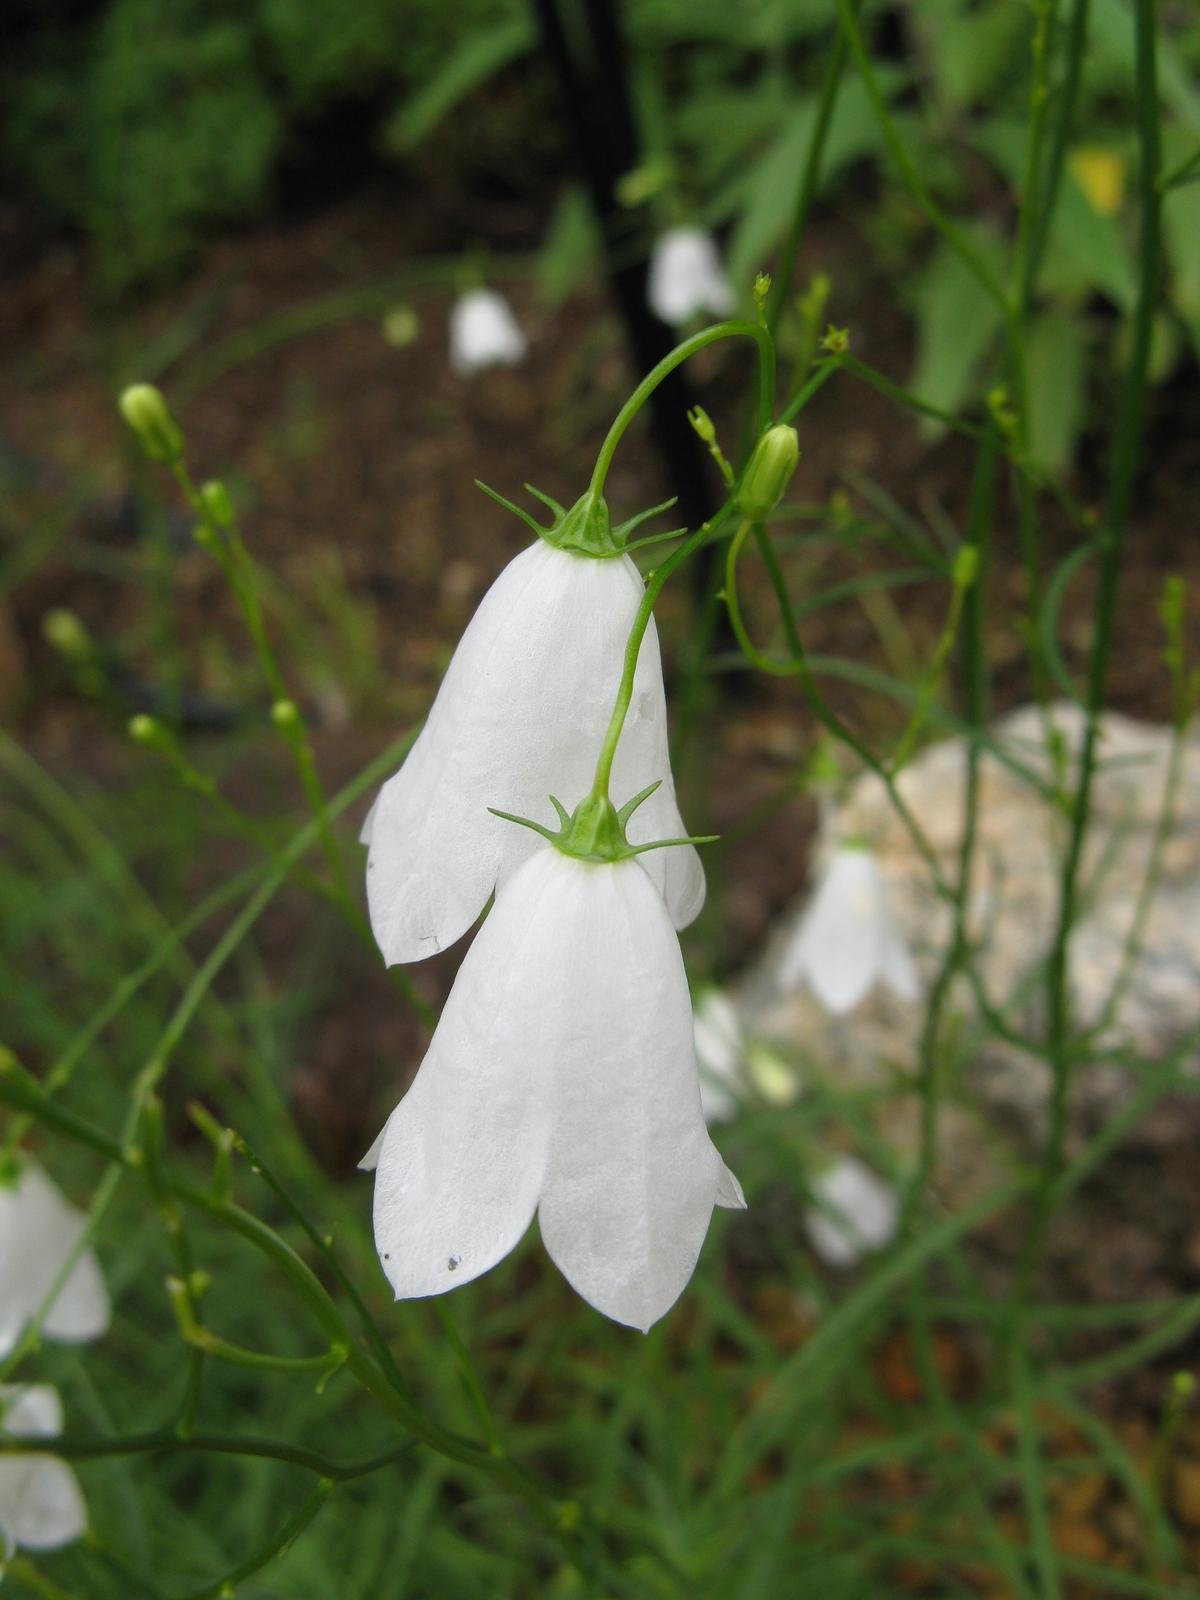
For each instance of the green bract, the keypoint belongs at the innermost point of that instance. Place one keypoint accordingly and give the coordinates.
(595, 830)
(587, 528)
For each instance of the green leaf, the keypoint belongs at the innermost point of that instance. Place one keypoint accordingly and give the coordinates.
(1181, 240)
(957, 321)
(1056, 352)
(571, 245)
(477, 59)
(775, 178)
(1086, 252)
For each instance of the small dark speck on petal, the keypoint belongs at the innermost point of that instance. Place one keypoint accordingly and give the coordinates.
(453, 1263)
(387, 1255)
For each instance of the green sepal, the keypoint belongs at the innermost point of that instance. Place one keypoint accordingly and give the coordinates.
(586, 529)
(595, 830)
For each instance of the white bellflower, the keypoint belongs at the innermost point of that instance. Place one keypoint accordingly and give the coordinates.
(561, 1080)
(41, 1507)
(484, 333)
(856, 1213)
(38, 1231)
(520, 715)
(687, 278)
(847, 940)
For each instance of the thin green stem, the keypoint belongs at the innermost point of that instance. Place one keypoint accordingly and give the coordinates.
(1111, 546)
(675, 358)
(898, 151)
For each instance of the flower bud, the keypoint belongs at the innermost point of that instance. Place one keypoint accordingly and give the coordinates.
(145, 410)
(286, 717)
(769, 473)
(66, 633)
(217, 504)
(145, 730)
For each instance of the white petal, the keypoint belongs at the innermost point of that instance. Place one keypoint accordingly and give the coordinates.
(643, 755)
(368, 822)
(520, 715)
(729, 1191)
(857, 1212)
(632, 1175)
(686, 277)
(838, 945)
(31, 1410)
(484, 333)
(38, 1231)
(371, 1160)
(41, 1507)
(464, 1153)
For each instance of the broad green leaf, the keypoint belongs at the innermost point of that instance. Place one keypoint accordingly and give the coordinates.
(1056, 353)
(956, 322)
(572, 242)
(1086, 251)
(775, 180)
(477, 58)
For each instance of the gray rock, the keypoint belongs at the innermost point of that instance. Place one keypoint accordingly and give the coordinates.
(994, 1087)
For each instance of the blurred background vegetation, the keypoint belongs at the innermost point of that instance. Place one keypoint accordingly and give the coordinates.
(267, 207)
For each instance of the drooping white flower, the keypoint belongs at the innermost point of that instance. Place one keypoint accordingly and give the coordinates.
(720, 1044)
(484, 333)
(856, 1212)
(686, 277)
(41, 1506)
(520, 715)
(561, 1080)
(38, 1231)
(847, 941)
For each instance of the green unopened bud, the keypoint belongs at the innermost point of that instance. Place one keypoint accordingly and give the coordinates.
(835, 341)
(146, 730)
(215, 498)
(762, 290)
(145, 410)
(966, 566)
(769, 473)
(285, 714)
(400, 327)
(63, 629)
(702, 424)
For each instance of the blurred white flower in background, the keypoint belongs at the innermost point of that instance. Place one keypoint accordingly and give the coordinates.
(686, 277)
(39, 1229)
(719, 1055)
(847, 940)
(41, 1506)
(855, 1212)
(519, 716)
(484, 333)
(561, 1080)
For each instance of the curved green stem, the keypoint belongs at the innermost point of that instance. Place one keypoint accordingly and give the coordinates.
(675, 358)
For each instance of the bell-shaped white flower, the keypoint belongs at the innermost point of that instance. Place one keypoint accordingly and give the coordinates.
(847, 941)
(720, 1047)
(41, 1507)
(484, 333)
(686, 277)
(39, 1229)
(520, 715)
(856, 1212)
(561, 1080)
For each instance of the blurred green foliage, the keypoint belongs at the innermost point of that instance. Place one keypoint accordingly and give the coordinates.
(157, 119)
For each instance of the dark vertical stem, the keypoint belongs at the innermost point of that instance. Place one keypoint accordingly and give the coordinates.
(597, 108)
